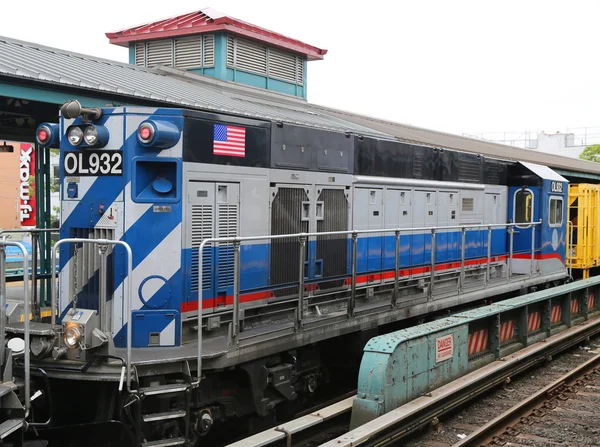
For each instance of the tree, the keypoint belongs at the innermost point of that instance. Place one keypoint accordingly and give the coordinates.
(591, 153)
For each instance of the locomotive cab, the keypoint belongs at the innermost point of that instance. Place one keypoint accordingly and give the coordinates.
(537, 207)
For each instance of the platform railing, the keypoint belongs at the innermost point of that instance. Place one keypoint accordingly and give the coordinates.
(354, 234)
(34, 233)
(127, 295)
(27, 353)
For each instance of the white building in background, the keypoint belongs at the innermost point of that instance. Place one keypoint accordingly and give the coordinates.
(558, 144)
(569, 144)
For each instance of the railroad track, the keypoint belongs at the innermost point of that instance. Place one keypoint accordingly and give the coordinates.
(328, 426)
(564, 411)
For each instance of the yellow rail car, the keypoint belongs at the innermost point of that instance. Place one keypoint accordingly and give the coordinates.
(583, 251)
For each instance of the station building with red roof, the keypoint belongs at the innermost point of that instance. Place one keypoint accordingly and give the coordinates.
(211, 43)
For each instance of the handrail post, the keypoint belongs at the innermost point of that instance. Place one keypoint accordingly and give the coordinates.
(300, 313)
(532, 248)
(432, 278)
(396, 268)
(236, 291)
(35, 307)
(200, 269)
(461, 282)
(510, 248)
(489, 255)
(352, 301)
(2, 302)
(102, 277)
(570, 250)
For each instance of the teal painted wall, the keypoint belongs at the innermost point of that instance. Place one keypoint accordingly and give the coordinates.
(222, 72)
(132, 53)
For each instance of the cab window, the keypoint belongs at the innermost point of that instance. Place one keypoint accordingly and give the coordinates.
(523, 207)
(556, 211)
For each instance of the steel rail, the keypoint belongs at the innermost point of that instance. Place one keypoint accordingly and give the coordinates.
(512, 416)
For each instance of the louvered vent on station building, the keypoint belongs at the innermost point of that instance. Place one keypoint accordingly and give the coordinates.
(159, 52)
(253, 57)
(208, 56)
(188, 52)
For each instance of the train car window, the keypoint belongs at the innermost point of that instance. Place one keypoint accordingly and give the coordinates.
(523, 206)
(556, 211)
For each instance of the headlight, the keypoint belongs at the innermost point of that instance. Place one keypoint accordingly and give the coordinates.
(75, 135)
(71, 336)
(90, 134)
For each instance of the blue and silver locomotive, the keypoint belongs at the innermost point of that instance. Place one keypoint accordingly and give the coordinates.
(263, 255)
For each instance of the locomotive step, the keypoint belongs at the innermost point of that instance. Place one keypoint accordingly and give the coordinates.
(10, 426)
(164, 442)
(153, 417)
(164, 389)
(6, 388)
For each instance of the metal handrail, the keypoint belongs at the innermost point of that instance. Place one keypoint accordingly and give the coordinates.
(27, 353)
(126, 293)
(303, 237)
(34, 257)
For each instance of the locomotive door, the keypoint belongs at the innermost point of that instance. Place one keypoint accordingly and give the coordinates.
(424, 206)
(368, 215)
(447, 241)
(524, 210)
(213, 211)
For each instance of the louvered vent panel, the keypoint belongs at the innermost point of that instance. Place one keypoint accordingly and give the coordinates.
(202, 225)
(209, 51)
(251, 57)
(282, 65)
(227, 227)
(188, 52)
(140, 54)
(417, 166)
(469, 169)
(159, 52)
(299, 71)
(230, 51)
(468, 204)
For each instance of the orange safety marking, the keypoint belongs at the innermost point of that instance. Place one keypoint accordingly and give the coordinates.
(507, 331)
(478, 341)
(534, 321)
(555, 314)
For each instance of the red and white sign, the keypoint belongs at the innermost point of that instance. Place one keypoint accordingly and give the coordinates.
(27, 185)
(444, 348)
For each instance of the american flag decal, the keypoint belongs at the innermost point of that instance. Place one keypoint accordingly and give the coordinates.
(229, 141)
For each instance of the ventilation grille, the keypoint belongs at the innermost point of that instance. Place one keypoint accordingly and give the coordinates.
(231, 51)
(286, 218)
(282, 66)
(468, 169)
(188, 52)
(209, 51)
(333, 250)
(202, 225)
(140, 54)
(253, 57)
(417, 166)
(159, 52)
(493, 173)
(85, 265)
(468, 204)
(227, 227)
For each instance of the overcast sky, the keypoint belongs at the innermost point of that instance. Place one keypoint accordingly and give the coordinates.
(457, 66)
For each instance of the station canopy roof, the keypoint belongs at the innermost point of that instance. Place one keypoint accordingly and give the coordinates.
(51, 69)
(209, 20)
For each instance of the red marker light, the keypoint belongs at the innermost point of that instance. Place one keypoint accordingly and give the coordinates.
(145, 133)
(42, 135)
